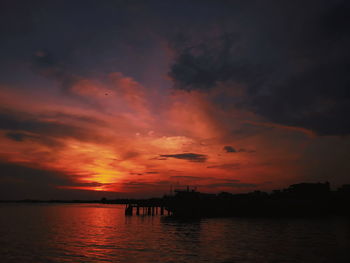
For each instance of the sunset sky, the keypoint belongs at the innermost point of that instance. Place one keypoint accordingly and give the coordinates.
(131, 98)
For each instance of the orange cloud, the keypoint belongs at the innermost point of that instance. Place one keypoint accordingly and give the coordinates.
(125, 144)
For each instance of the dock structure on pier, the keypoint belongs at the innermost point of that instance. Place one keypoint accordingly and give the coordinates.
(160, 206)
(146, 207)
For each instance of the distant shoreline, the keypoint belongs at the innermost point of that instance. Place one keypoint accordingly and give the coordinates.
(303, 199)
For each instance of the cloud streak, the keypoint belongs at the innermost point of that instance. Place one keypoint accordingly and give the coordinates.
(191, 157)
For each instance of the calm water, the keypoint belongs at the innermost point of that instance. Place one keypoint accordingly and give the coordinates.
(101, 233)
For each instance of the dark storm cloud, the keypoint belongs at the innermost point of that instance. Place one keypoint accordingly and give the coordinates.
(66, 41)
(293, 60)
(192, 157)
(19, 124)
(24, 122)
(23, 173)
(17, 136)
(27, 181)
(18, 181)
(21, 137)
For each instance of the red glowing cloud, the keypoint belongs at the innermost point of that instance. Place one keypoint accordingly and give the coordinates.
(116, 141)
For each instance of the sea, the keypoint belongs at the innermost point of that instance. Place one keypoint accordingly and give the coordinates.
(102, 233)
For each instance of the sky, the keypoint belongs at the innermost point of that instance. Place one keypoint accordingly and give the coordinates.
(134, 98)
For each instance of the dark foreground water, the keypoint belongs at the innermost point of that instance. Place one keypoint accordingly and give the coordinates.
(101, 233)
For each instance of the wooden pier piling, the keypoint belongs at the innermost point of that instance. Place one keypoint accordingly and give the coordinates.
(128, 210)
(143, 208)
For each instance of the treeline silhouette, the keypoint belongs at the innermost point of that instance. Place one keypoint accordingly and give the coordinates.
(303, 199)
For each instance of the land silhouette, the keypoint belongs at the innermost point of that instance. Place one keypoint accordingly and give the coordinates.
(302, 199)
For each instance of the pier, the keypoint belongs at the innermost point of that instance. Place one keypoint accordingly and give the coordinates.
(146, 207)
(303, 199)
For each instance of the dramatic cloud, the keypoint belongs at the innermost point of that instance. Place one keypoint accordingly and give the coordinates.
(37, 183)
(290, 63)
(19, 137)
(192, 157)
(171, 93)
(38, 127)
(22, 137)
